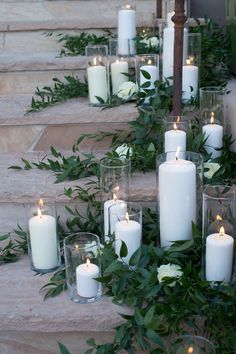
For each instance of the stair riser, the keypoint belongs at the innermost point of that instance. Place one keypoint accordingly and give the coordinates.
(26, 82)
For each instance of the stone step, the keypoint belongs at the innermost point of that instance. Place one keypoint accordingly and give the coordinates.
(23, 22)
(60, 125)
(22, 73)
(19, 187)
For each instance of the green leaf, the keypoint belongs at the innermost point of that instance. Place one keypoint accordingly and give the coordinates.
(123, 250)
(134, 259)
(154, 336)
(146, 74)
(149, 315)
(63, 349)
(4, 237)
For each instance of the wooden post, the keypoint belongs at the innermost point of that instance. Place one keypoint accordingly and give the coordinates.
(158, 8)
(179, 19)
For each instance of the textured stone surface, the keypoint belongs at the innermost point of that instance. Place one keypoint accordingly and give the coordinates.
(14, 342)
(22, 304)
(231, 111)
(67, 14)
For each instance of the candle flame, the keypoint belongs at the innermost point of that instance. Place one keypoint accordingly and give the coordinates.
(190, 350)
(177, 153)
(175, 126)
(40, 202)
(188, 61)
(114, 197)
(76, 247)
(149, 62)
(87, 262)
(95, 61)
(218, 217)
(212, 117)
(127, 217)
(128, 6)
(39, 213)
(222, 231)
(178, 119)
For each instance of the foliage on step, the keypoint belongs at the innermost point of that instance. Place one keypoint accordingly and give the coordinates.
(214, 70)
(161, 309)
(61, 91)
(13, 244)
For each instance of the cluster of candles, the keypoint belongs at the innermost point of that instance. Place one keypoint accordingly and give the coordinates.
(98, 70)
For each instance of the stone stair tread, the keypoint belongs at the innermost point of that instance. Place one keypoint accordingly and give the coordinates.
(42, 61)
(22, 307)
(20, 186)
(74, 111)
(53, 14)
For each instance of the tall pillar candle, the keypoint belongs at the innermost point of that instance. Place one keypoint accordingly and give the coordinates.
(97, 81)
(214, 137)
(175, 138)
(219, 256)
(126, 30)
(86, 285)
(128, 231)
(119, 69)
(43, 241)
(190, 81)
(168, 48)
(177, 198)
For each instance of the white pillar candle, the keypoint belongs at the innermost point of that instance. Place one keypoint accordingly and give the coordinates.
(97, 82)
(128, 231)
(43, 240)
(118, 77)
(214, 134)
(190, 81)
(219, 256)
(111, 219)
(86, 285)
(174, 138)
(177, 197)
(168, 48)
(126, 30)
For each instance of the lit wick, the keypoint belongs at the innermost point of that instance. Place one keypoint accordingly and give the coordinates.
(87, 262)
(175, 127)
(127, 217)
(190, 350)
(177, 153)
(222, 231)
(212, 117)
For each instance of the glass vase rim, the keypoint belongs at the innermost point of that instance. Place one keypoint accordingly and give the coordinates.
(232, 190)
(203, 339)
(80, 233)
(213, 89)
(189, 153)
(134, 204)
(123, 162)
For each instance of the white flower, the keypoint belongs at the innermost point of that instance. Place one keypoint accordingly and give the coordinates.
(124, 150)
(150, 42)
(170, 271)
(127, 90)
(213, 168)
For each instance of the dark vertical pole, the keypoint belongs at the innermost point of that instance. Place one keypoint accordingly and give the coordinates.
(158, 8)
(179, 19)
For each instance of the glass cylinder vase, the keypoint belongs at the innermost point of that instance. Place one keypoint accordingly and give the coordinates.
(191, 67)
(175, 133)
(212, 103)
(219, 232)
(43, 242)
(126, 30)
(82, 263)
(97, 74)
(115, 178)
(147, 73)
(187, 344)
(125, 222)
(179, 198)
